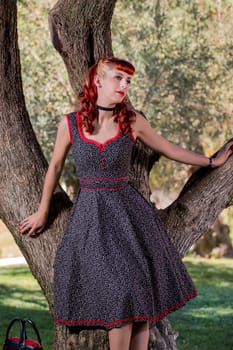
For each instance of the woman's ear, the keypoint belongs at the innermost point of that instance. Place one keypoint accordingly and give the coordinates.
(97, 81)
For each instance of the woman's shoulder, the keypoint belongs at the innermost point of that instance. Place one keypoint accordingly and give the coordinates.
(67, 124)
(140, 119)
(71, 119)
(139, 114)
(141, 124)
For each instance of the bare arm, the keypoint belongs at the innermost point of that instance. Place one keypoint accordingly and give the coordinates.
(149, 137)
(36, 222)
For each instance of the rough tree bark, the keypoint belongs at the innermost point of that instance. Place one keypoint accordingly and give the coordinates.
(82, 36)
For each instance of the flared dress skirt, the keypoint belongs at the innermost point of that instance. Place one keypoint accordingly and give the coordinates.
(116, 263)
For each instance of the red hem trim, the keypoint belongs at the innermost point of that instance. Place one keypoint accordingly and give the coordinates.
(175, 307)
(101, 146)
(129, 319)
(69, 129)
(86, 179)
(102, 322)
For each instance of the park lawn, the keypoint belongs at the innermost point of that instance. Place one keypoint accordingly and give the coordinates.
(21, 296)
(205, 323)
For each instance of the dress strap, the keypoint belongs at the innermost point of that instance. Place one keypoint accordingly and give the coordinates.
(72, 122)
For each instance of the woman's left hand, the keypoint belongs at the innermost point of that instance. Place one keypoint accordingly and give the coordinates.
(223, 154)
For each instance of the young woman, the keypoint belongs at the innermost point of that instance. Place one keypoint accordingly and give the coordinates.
(116, 267)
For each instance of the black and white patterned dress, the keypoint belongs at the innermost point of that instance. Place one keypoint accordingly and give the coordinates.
(115, 263)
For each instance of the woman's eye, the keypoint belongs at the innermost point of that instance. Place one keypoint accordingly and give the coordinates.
(119, 77)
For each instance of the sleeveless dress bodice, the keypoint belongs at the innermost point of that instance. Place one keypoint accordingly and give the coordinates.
(100, 165)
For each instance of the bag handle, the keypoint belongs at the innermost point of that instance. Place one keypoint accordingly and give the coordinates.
(21, 338)
(33, 325)
(23, 335)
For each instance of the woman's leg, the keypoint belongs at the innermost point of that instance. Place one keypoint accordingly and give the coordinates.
(140, 336)
(119, 338)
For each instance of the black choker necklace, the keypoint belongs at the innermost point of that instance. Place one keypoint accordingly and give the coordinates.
(110, 109)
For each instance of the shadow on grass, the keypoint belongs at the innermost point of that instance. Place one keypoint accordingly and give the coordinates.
(206, 322)
(208, 273)
(21, 296)
(42, 319)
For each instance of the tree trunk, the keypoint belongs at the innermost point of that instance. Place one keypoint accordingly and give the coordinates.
(23, 165)
(81, 37)
(216, 242)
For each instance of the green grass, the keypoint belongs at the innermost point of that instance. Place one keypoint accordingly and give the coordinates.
(205, 323)
(21, 296)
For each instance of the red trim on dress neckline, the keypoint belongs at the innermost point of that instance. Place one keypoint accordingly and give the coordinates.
(101, 146)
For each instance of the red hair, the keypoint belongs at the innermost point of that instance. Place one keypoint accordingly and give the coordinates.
(88, 96)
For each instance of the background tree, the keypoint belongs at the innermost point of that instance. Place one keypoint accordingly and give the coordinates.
(81, 39)
(48, 94)
(183, 55)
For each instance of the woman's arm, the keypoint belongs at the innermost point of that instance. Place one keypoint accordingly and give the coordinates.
(143, 130)
(36, 222)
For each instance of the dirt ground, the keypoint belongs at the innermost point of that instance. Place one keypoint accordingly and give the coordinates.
(8, 247)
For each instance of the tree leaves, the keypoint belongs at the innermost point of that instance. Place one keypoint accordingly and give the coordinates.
(183, 70)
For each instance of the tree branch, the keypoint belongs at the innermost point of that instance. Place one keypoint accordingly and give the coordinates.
(202, 199)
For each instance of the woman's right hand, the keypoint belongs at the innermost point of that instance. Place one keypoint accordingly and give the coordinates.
(33, 224)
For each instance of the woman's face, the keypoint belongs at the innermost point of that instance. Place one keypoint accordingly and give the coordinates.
(112, 86)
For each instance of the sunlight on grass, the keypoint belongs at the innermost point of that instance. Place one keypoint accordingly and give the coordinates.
(205, 323)
(20, 295)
